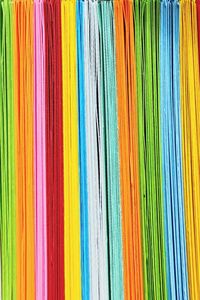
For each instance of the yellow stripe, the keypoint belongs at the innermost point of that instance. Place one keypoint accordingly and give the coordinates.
(70, 141)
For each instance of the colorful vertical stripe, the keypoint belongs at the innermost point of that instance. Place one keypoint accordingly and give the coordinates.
(70, 146)
(23, 78)
(170, 117)
(99, 151)
(128, 143)
(189, 70)
(40, 154)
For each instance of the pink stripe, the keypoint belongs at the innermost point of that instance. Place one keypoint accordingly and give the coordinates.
(40, 150)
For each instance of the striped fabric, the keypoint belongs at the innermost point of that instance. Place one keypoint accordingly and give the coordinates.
(99, 149)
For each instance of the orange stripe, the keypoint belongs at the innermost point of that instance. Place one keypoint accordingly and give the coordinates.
(128, 141)
(23, 98)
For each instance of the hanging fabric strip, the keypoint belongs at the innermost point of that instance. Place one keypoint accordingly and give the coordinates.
(190, 108)
(85, 266)
(198, 24)
(110, 147)
(95, 156)
(54, 150)
(70, 142)
(171, 152)
(147, 57)
(24, 129)
(7, 159)
(129, 171)
(40, 153)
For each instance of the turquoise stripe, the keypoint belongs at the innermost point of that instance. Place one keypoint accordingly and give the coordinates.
(85, 273)
(109, 119)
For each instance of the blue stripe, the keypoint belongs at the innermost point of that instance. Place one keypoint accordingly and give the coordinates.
(177, 281)
(82, 157)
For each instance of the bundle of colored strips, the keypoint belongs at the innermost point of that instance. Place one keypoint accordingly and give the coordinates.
(99, 150)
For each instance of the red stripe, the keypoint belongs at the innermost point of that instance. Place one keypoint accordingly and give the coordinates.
(54, 155)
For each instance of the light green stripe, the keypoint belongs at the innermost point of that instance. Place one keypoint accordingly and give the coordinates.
(147, 69)
(7, 207)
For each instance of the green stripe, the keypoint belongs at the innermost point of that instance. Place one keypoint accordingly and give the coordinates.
(7, 193)
(147, 69)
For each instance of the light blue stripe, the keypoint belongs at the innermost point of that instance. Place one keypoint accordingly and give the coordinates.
(85, 274)
(177, 281)
(178, 153)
